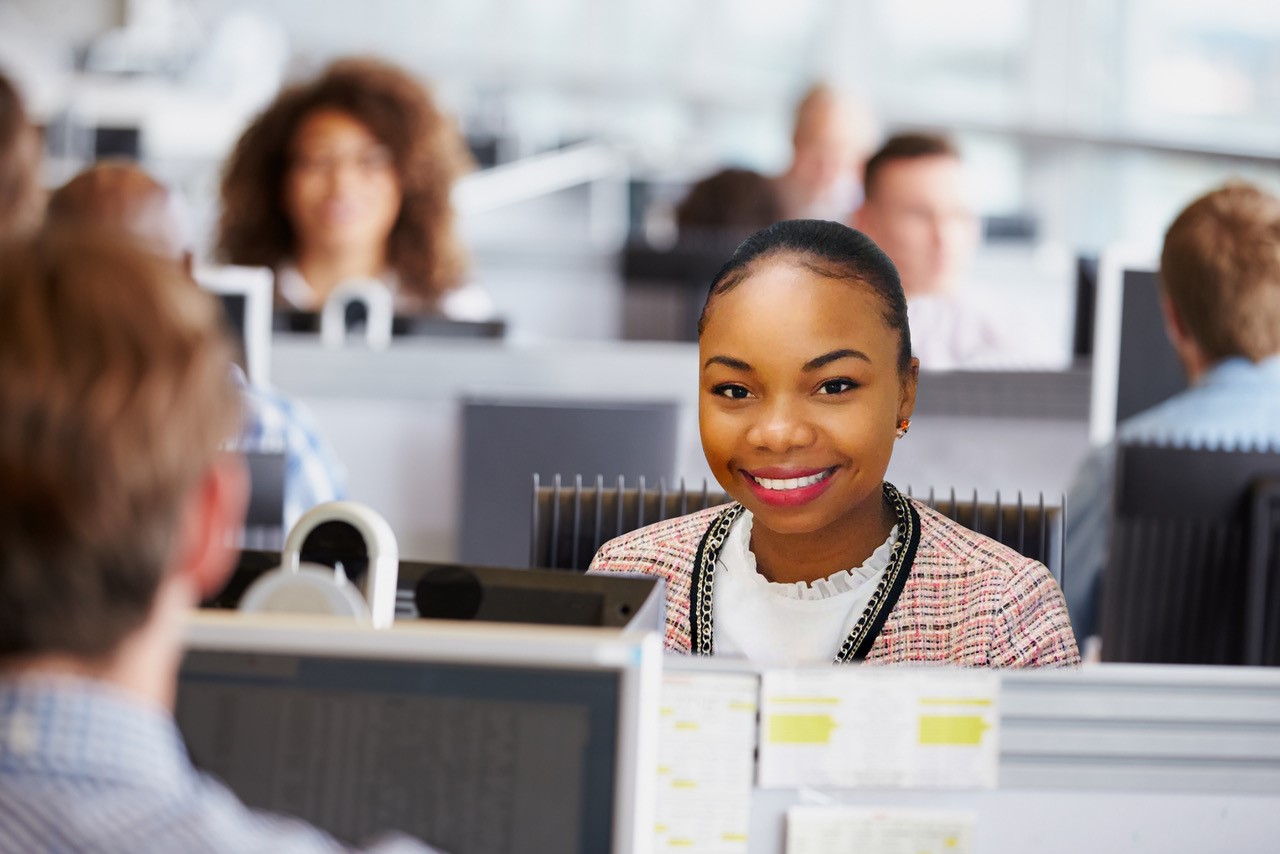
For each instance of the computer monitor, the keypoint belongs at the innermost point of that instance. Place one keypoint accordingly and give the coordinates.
(1134, 365)
(246, 294)
(476, 739)
(264, 517)
(506, 440)
(402, 325)
(454, 591)
(1086, 297)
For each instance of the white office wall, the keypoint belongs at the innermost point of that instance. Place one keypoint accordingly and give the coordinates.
(1099, 117)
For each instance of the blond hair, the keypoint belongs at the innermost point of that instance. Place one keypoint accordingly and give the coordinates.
(1221, 270)
(115, 394)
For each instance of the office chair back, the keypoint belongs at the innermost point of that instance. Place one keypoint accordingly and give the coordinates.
(572, 519)
(1192, 570)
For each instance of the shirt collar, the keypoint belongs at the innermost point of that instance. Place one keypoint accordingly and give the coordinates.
(1238, 369)
(84, 728)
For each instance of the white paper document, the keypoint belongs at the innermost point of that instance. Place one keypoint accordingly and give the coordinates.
(706, 761)
(844, 830)
(864, 727)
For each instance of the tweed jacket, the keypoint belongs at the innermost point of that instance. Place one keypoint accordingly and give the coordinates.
(951, 596)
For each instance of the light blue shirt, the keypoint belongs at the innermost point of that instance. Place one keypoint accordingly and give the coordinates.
(1236, 404)
(85, 767)
(276, 423)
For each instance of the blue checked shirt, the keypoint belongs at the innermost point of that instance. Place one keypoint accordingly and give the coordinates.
(1235, 405)
(274, 422)
(85, 767)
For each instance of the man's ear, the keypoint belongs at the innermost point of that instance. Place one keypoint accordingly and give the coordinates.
(910, 384)
(212, 521)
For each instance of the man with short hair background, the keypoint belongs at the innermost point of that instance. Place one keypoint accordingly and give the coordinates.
(116, 510)
(1220, 292)
(831, 139)
(917, 209)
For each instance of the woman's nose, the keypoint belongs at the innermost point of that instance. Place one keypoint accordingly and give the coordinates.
(781, 427)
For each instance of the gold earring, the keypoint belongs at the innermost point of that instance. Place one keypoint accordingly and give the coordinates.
(903, 426)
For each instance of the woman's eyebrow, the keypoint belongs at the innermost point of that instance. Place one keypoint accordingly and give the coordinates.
(728, 362)
(834, 356)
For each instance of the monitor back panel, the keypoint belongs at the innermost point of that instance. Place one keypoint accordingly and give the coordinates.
(1150, 372)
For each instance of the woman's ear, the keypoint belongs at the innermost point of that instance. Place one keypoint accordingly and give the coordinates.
(907, 396)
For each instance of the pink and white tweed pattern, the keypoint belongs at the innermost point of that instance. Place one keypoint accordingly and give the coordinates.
(968, 600)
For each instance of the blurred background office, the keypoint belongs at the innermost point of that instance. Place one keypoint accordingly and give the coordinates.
(1085, 123)
(1081, 126)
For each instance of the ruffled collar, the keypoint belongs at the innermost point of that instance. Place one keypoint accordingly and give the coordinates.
(736, 553)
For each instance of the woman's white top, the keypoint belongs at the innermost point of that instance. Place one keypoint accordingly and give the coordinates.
(786, 624)
(468, 302)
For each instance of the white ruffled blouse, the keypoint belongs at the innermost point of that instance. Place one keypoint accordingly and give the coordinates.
(787, 624)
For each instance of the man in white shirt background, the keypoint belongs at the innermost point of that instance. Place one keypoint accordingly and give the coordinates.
(917, 209)
(833, 136)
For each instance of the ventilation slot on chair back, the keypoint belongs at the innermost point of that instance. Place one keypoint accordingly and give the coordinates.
(573, 518)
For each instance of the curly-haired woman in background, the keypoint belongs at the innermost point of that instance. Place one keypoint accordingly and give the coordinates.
(348, 177)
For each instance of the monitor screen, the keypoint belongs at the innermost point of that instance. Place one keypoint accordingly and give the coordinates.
(246, 295)
(1150, 372)
(1134, 365)
(471, 757)
(233, 309)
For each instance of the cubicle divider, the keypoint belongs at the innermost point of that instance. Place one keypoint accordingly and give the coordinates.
(822, 759)
(1107, 758)
(393, 418)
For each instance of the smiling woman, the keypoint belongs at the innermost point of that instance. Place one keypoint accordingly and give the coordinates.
(807, 382)
(348, 177)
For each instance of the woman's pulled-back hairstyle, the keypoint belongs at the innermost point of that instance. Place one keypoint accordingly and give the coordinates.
(829, 249)
(425, 147)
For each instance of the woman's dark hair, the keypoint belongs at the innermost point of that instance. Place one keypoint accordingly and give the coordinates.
(732, 201)
(425, 146)
(829, 249)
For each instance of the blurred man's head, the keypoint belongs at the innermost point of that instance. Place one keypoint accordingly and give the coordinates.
(120, 195)
(833, 136)
(116, 503)
(1220, 270)
(916, 208)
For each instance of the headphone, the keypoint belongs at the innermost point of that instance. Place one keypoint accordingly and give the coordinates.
(379, 306)
(347, 535)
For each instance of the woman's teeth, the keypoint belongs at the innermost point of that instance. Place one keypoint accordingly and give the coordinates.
(792, 482)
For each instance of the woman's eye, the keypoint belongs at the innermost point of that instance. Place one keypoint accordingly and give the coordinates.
(731, 391)
(837, 386)
(375, 159)
(310, 163)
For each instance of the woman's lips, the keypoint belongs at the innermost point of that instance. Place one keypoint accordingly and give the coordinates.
(789, 487)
